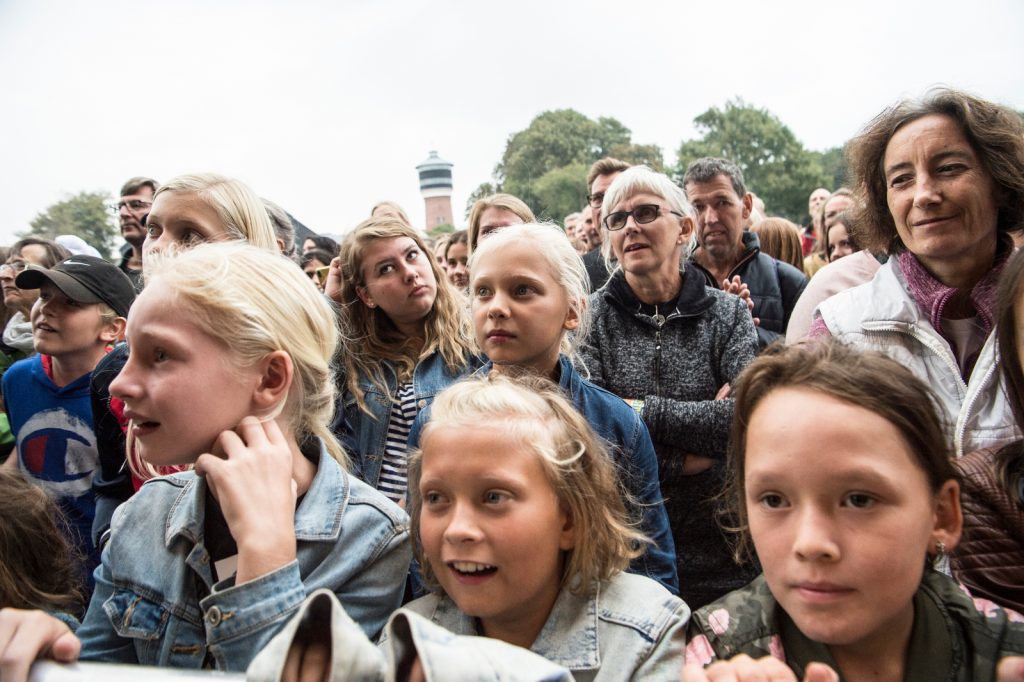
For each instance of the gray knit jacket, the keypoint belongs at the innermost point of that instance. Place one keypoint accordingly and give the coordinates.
(706, 338)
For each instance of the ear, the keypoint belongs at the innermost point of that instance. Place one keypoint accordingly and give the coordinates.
(748, 204)
(114, 331)
(365, 297)
(567, 539)
(276, 373)
(280, 244)
(949, 520)
(572, 317)
(686, 223)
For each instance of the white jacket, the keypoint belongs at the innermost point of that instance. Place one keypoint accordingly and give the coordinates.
(881, 315)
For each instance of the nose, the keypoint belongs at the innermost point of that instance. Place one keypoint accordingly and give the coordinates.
(462, 526)
(926, 191)
(815, 537)
(124, 385)
(497, 307)
(708, 215)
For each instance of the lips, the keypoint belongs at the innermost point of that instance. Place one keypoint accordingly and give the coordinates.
(929, 222)
(420, 290)
(822, 592)
(43, 327)
(499, 335)
(634, 247)
(141, 426)
(471, 572)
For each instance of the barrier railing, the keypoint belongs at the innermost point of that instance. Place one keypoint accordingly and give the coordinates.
(48, 671)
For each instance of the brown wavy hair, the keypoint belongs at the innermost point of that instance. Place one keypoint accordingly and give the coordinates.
(995, 133)
(371, 338)
(1009, 461)
(37, 563)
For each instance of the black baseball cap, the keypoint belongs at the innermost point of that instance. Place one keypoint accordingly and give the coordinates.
(86, 279)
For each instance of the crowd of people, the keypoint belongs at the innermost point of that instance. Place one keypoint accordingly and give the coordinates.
(672, 438)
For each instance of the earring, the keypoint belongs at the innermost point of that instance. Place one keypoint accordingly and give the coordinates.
(940, 550)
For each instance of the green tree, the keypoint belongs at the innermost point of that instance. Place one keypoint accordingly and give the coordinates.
(833, 162)
(541, 161)
(485, 189)
(775, 164)
(435, 232)
(562, 191)
(85, 214)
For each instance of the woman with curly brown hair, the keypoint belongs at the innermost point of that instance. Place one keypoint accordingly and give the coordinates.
(942, 183)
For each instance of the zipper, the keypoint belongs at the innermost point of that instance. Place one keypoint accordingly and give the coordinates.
(928, 341)
(967, 399)
(972, 397)
(657, 361)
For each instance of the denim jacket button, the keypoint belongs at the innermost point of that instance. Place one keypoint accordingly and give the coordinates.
(213, 616)
(421, 404)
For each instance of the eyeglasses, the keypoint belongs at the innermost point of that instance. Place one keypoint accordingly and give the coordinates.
(642, 214)
(134, 205)
(595, 200)
(14, 267)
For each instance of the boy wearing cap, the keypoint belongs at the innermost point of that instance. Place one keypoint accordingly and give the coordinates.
(81, 311)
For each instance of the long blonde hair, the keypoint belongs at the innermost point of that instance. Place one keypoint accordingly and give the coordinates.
(259, 302)
(371, 338)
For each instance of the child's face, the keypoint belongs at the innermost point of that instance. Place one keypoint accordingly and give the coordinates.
(841, 515)
(179, 386)
(181, 219)
(520, 312)
(63, 327)
(400, 280)
(492, 527)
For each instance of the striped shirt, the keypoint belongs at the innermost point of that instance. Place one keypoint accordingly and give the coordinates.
(394, 479)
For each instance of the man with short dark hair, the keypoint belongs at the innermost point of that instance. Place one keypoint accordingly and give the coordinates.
(599, 179)
(731, 257)
(132, 208)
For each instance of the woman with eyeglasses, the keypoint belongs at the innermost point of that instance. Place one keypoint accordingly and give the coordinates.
(670, 346)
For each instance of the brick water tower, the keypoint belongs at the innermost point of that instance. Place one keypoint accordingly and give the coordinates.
(436, 188)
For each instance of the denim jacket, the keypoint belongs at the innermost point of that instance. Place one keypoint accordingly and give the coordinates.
(149, 605)
(364, 435)
(628, 628)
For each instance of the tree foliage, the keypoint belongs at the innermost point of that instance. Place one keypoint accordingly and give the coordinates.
(84, 214)
(775, 164)
(833, 162)
(546, 164)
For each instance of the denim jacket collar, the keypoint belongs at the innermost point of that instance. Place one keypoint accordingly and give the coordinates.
(569, 379)
(328, 491)
(569, 638)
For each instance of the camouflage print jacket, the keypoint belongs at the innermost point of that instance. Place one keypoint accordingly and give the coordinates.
(746, 622)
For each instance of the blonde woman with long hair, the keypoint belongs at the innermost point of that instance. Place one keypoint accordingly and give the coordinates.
(407, 337)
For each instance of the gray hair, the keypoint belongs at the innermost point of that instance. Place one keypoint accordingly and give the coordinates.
(706, 169)
(643, 180)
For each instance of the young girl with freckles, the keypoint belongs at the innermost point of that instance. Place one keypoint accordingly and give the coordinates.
(406, 339)
(524, 536)
(229, 370)
(529, 302)
(843, 482)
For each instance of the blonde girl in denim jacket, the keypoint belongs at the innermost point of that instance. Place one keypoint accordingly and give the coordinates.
(524, 535)
(229, 370)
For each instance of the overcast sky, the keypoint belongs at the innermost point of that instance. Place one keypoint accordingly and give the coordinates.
(327, 107)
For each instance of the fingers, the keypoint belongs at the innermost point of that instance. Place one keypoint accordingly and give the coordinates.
(723, 392)
(742, 668)
(1010, 669)
(28, 635)
(819, 672)
(332, 283)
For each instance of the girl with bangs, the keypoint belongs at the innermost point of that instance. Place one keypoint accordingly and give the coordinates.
(530, 547)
